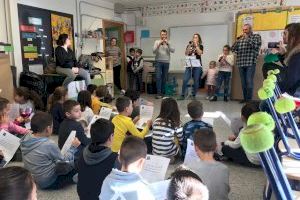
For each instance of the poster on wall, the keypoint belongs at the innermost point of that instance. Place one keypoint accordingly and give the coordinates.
(61, 23)
(35, 34)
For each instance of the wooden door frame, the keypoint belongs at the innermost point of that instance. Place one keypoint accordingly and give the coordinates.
(110, 24)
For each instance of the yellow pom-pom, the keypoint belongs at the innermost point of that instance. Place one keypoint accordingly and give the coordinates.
(270, 72)
(285, 105)
(272, 77)
(269, 84)
(261, 118)
(265, 93)
(276, 71)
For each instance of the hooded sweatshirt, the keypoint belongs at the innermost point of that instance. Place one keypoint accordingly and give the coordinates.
(93, 167)
(40, 156)
(125, 186)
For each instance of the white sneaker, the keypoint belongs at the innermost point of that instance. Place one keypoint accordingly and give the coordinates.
(207, 98)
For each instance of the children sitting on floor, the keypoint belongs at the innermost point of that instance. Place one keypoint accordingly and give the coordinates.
(98, 99)
(124, 125)
(186, 185)
(42, 157)
(55, 107)
(5, 122)
(167, 132)
(96, 160)
(233, 150)
(72, 112)
(214, 174)
(127, 183)
(195, 110)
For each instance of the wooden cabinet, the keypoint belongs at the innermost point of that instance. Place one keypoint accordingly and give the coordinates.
(6, 80)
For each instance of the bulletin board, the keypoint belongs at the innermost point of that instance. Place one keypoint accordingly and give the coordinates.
(269, 23)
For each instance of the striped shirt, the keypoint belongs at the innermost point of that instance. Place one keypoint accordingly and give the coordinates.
(164, 138)
(115, 52)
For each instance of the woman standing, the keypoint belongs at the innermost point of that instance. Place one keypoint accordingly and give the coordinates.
(115, 52)
(194, 48)
(226, 62)
(66, 62)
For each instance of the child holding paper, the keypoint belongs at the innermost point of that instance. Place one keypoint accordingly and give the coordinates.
(167, 132)
(42, 157)
(214, 174)
(100, 94)
(127, 183)
(195, 110)
(55, 106)
(72, 112)
(96, 161)
(85, 100)
(4, 119)
(124, 125)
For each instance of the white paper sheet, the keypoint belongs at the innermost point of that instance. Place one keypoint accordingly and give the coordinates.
(294, 19)
(105, 113)
(8, 145)
(191, 156)
(191, 61)
(68, 143)
(146, 113)
(209, 117)
(155, 168)
(160, 189)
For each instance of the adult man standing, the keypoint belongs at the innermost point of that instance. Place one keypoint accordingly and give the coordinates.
(162, 49)
(247, 49)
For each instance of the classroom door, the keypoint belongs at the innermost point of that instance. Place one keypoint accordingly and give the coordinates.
(116, 30)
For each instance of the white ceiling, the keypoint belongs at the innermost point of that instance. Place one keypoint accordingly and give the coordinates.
(143, 3)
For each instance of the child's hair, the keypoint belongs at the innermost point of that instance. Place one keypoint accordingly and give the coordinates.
(213, 63)
(101, 91)
(91, 88)
(169, 111)
(132, 94)
(122, 103)
(15, 183)
(40, 121)
(84, 99)
(195, 109)
(186, 185)
(132, 149)
(249, 108)
(205, 140)
(101, 130)
(30, 95)
(69, 105)
(131, 50)
(58, 94)
(3, 104)
(140, 51)
(227, 47)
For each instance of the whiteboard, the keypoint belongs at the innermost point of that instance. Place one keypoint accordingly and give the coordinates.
(214, 37)
(147, 46)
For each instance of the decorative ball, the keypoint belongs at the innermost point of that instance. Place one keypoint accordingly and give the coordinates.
(262, 118)
(276, 71)
(270, 72)
(284, 105)
(265, 93)
(272, 77)
(268, 83)
(256, 138)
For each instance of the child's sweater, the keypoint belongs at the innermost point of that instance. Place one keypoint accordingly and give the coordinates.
(13, 128)
(211, 76)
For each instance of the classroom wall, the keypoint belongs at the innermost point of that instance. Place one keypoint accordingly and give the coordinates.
(65, 6)
(292, 2)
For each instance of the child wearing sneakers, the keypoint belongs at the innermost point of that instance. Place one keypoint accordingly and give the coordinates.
(211, 80)
(195, 110)
(127, 183)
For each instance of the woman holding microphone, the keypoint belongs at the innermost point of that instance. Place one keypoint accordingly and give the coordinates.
(194, 48)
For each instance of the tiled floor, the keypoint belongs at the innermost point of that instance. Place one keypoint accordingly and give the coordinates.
(245, 183)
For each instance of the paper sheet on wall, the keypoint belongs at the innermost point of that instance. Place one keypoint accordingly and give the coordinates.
(159, 189)
(191, 156)
(8, 145)
(294, 19)
(105, 113)
(68, 143)
(146, 113)
(155, 168)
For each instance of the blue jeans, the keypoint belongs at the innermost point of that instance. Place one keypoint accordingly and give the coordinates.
(162, 70)
(247, 76)
(195, 73)
(223, 76)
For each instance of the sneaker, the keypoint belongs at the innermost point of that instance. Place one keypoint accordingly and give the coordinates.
(225, 99)
(213, 98)
(180, 98)
(158, 97)
(207, 98)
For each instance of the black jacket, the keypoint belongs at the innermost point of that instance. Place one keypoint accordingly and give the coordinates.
(93, 167)
(57, 115)
(65, 59)
(65, 129)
